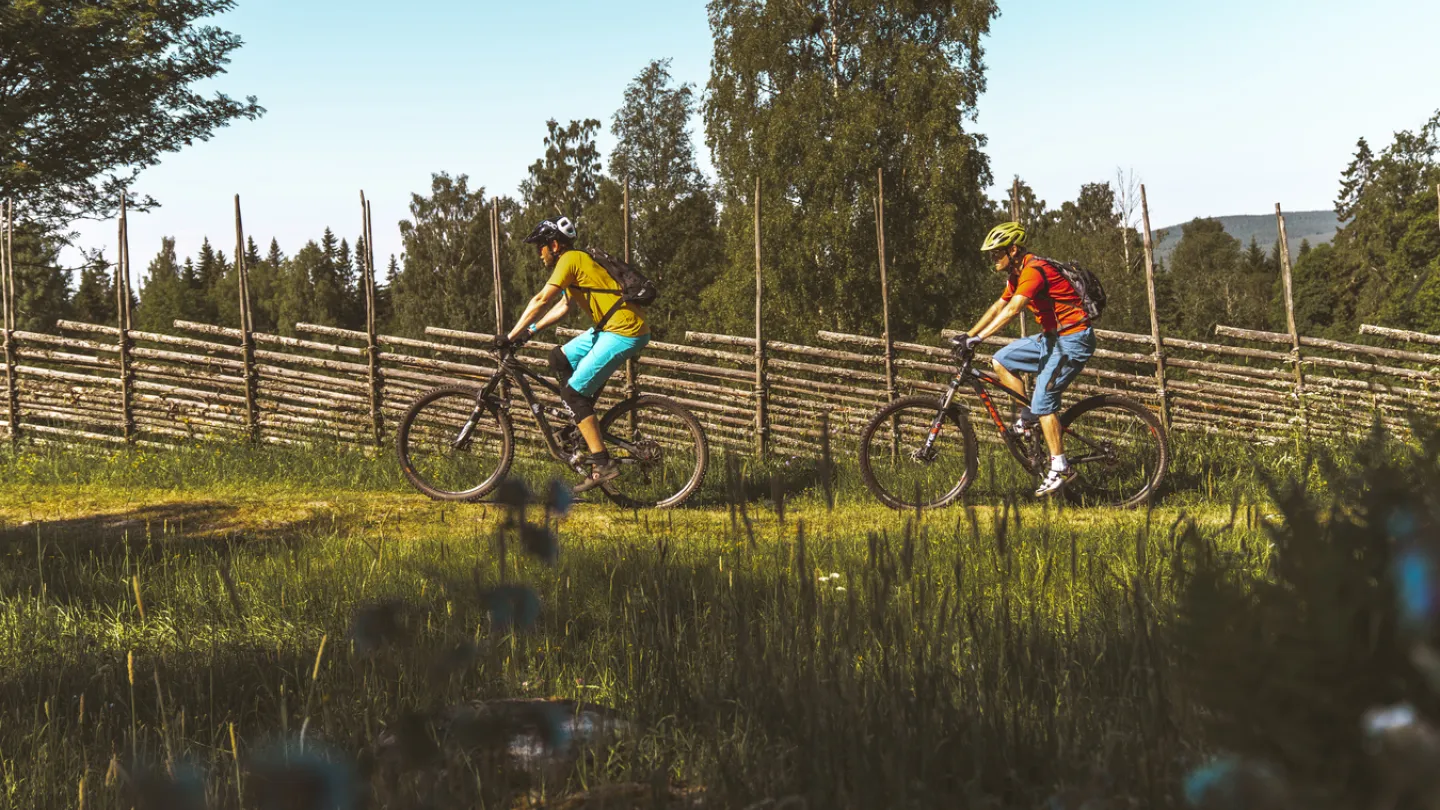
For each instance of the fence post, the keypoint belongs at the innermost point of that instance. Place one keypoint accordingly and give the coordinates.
(372, 347)
(762, 425)
(499, 293)
(1015, 215)
(632, 386)
(122, 320)
(7, 283)
(247, 329)
(885, 308)
(1290, 321)
(1160, 389)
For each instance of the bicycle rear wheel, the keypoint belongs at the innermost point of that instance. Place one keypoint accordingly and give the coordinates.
(897, 471)
(662, 452)
(453, 447)
(1118, 449)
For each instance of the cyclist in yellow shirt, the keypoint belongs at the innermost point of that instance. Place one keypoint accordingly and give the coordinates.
(585, 363)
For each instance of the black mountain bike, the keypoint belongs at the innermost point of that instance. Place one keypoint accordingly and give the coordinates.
(456, 442)
(920, 452)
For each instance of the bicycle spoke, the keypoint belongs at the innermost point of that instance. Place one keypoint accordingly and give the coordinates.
(661, 449)
(451, 447)
(1125, 455)
(903, 469)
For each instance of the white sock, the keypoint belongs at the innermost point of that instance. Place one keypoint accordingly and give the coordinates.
(1058, 463)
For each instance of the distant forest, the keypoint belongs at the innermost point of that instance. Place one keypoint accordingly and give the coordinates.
(813, 131)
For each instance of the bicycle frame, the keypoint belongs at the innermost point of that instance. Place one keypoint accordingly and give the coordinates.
(978, 380)
(517, 372)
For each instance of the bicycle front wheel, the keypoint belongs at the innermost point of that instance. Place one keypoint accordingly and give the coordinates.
(900, 472)
(662, 452)
(452, 446)
(1118, 449)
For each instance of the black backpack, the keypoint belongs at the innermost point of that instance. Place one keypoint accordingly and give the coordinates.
(635, 288)
(1087, 286)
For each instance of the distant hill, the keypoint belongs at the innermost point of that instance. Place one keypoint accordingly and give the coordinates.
(1316, 226)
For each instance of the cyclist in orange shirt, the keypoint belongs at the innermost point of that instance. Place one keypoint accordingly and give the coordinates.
(1056, 356)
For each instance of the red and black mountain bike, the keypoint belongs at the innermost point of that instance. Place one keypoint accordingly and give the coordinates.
(920, 451)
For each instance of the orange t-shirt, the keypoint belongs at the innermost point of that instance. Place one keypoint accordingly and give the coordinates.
(1056, 304)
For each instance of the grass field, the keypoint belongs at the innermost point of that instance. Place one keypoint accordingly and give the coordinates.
(203, 612)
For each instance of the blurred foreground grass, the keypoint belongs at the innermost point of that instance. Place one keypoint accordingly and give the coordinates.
(151, 607)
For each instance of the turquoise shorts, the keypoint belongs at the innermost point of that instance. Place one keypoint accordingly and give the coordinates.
(596, 358)
(1054, 360)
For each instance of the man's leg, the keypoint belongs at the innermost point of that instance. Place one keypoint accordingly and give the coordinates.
(1022, 356)
(1067, 360)
(608, 353)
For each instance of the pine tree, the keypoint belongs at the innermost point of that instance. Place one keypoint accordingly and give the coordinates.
(1354, 180)
(1207, 274)
(328, 290)
(294, 288)
(94, 299)
(204, 280)
(41, 284)
(163, 291)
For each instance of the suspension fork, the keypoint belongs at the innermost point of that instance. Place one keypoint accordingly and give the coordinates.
(940, 416)
(480, 400)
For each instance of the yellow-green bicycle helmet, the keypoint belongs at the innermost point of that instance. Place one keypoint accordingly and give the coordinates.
(1004, 235)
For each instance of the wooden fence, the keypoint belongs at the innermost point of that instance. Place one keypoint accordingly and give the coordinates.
(91, 384)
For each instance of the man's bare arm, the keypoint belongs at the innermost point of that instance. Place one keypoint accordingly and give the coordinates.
(1017, 303)
(988, 316)
(542, 299)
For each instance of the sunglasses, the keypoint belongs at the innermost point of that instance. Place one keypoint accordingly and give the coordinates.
(998, 252)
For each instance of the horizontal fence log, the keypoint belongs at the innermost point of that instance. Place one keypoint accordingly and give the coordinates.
(879, 343)
(1333, 345)
(1399, 334)
(62, 342)
(294, 375)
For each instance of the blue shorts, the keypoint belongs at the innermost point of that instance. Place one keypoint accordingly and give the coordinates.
(596, 358)
(1055, 360)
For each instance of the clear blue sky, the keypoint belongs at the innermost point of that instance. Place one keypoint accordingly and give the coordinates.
(1223, 107)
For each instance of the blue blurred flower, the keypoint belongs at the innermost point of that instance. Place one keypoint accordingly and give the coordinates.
(1414, 573)
(559, 498)
(1205, 780)
(1401, 524)
(1232, 783)
(377, 624)
(153, 788)
(540, 542)
(513, 493)
(289, 776)
(512, 606)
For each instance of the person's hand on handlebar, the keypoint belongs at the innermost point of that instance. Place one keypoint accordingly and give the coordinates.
(966, 342)
(505, 342)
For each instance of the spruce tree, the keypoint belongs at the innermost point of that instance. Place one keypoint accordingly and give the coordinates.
(163, 291)
(94, 299)
(41, 284)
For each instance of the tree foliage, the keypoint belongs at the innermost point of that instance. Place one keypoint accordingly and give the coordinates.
(92, 92)
(447, 278)
(673, 233)
(811, 98)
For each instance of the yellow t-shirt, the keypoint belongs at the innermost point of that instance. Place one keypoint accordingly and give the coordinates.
(576, 269)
